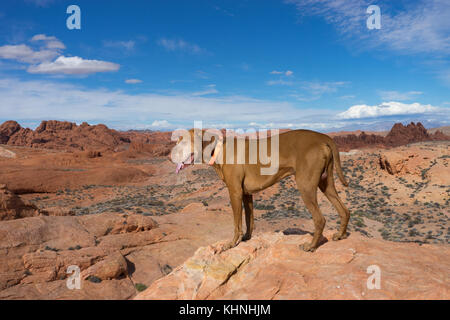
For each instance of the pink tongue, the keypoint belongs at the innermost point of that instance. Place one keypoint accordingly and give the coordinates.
(179, 167)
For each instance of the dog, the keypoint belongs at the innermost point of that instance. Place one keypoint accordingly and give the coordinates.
(308, 155)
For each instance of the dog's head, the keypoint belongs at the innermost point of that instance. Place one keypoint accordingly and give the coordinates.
(195, 146)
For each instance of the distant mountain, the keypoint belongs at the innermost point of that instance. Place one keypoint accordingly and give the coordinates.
(445, 130)
(397, 136)
(62, 135)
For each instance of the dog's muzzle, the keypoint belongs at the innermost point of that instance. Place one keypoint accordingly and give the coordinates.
(181, 165)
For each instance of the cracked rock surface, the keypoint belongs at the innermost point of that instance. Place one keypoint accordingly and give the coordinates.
(271, 266)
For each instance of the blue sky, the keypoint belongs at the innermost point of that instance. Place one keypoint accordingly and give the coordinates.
(235, 64)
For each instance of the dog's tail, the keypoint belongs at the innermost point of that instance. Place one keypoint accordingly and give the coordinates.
(337, 161)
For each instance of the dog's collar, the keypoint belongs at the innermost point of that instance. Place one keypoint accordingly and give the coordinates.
(217, 150)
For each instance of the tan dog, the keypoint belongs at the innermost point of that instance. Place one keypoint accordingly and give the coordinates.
(308, 155)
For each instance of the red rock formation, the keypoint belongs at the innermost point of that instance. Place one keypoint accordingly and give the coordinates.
(7, 129)
(401, 135)
(154, 149)
(352, 141)
(37, 252)
(155, 143)
(415, 160)
(398, 136)
(271, 266)
(62, 135)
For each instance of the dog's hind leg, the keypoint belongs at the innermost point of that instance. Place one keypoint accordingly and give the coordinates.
(308, 191)
(248, 206)
(328, 188)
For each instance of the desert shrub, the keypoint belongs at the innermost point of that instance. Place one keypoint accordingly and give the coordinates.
(94, 279)
(385, 234)
(140, 287)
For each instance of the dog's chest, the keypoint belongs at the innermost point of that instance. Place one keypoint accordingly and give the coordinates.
(256, 182)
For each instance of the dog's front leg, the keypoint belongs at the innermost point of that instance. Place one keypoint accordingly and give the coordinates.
(248, 206)
(236, 204)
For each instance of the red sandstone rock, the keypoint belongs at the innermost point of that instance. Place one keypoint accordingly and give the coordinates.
(35, 178)
(112, 267)
(154, 149)
(12, 206)
(271, 266)
(7, 129)
(399, 135)
(5, 153)
(36, 252)
(62, 135)
(414, 160)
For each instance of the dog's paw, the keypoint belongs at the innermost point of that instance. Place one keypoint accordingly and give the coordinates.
(308, 247)
(246, 237)
(229, 245)
(338, 236)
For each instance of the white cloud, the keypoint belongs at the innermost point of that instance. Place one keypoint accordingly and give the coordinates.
(209, 89)
(280, 82)
(385, 109)
(160, 124)
(318, 88)
(33, 101)
(133, 81)
(51, 42)
(444, 76)
(53, 100)
(313, 89)
(288, 124)
(201, 74)
(127, 45)
(400, 96)
(42, 60)
(50, 48)
(421, 27)
(24, 53)
(287, 73)
(179, 45)
(303, 98)
(224, 11)
(73, 65)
